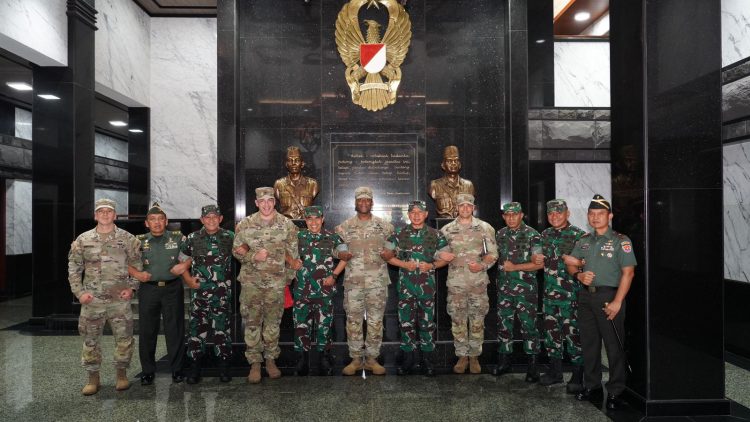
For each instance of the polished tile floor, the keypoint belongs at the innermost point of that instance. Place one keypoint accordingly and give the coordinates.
(40, 380)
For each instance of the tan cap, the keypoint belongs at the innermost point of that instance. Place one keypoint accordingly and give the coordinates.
(450, 151)
(363, 192)
(104, 203)
(264, 193)
(464, 198)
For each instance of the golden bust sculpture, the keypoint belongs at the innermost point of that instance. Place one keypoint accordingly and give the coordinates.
(295, 191)
(445, 189)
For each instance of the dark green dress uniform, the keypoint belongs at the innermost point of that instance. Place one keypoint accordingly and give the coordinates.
(605, 256)
(162, 296)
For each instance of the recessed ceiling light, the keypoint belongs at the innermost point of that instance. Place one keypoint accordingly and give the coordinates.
(540, 41)
(135, 130)
(582, 16)
(118, 123)
(49, 96)
(20, 86)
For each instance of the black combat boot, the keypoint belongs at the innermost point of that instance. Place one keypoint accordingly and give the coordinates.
(575, 385)
(407, 363)
(302, 367)
(325, 363)
(224, 375)
(194, 374)
(427, 364)
(532, 374)
(503, 364)
(554, 374)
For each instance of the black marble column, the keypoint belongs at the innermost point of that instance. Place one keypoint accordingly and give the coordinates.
(63, 161)
(667, 193)
(139, 160)
(541, 54)
(7, 118)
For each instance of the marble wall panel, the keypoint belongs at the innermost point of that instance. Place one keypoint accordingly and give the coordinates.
(17, 217)
(122, 52)
(735, 31)
(119, 196)
(568, 134)
(47, 43)
(582, 74)
(577, 183)
(735, 101)
(23, 123)
(737, 211)
(109, 147)
(183, 114)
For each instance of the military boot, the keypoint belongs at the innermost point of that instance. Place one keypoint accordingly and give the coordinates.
(254, 376)
(272, 369)
(194, 374)
(325, 363)
(503, 364)
(302, 367)
(122, 383)
(224, 375)
(354, 366)
(427, 365)
(407, 363)
(93, 385)
(575, 385)
(554, 374)
(372, 364)
(532, 373)
(474, 366)
(460, 366)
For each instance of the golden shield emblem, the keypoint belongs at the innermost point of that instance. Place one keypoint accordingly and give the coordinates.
(373, 65)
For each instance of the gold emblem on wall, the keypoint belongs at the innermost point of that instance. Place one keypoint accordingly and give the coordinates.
(370, 58)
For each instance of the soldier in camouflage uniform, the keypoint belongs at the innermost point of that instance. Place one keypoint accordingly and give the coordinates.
(265, 243)
(473, 252)
(416, 247)
(98, 267)
(560, 299)
(210, 282)
(315, 289)
(365, 283)
(516, 289)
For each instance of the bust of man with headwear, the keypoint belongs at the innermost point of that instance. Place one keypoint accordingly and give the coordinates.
(445, 189)
(295, 191)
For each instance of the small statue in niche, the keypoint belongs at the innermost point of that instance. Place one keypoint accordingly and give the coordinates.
(445, 189)
(295, 191)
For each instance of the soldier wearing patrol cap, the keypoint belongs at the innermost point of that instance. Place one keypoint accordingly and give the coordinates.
(315, 289)
(365, 283)
(161, 295)
(210, 283)
(265, 243)
(98, 265)
(517, 243)
(603, 261)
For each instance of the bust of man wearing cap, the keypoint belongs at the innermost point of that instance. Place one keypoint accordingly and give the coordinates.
(295, 191)
(265, 243)
(99, 263)
(445, 189)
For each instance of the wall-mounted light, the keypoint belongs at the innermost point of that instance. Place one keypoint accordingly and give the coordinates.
(582, 16)
(20, 86)
(48, 96)
(118, 123)
(135, 131)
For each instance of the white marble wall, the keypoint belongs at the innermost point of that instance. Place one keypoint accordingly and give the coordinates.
(122, 52)
(737, 211)
(577, 183)
(119, 196)
(36, 30)
(109, 147)
(735, 31)
(23, 123)
(183, 114)
(17, 217)
(582, 74)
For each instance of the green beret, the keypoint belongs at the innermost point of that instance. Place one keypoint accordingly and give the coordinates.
(599, 203)
(314, 211)
(557, 205)
(512, 207)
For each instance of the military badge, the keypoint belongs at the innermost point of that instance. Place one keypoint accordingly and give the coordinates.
(171, 244)
(370, 57)
(626, 247)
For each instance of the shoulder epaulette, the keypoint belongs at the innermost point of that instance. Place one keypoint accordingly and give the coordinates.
(620, 235)
(176, 233)
(141, 236)
(585, 235)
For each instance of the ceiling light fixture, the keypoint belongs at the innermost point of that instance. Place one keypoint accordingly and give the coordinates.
(540, 41)
(20, 86)
(118, 123)
(582, 16)
(135, 131)
(48, 96)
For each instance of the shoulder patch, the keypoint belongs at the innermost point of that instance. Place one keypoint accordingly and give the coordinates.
(627, 247)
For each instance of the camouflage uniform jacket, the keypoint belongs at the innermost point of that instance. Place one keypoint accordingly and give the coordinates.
(211, 254)
(420, 245)
(559, 286)
(516, 246)
(98, 264)
(316, 250)
(365, 240)
(468, 243)
(279, 237)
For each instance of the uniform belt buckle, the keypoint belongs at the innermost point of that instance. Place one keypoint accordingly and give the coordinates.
(592, 289)
(161, 283)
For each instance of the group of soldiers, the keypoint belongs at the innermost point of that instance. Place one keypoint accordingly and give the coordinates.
(586, 278)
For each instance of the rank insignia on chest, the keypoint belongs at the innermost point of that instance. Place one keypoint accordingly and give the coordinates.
(585, 246)
(170, 245)
(145, 262)
(146, 246)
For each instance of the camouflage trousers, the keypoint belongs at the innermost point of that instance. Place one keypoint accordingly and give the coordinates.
(523, 307)
(210, 317)
(306, 312)
(91, 324)
(361, 303)
(561, 324)
(467, 306)
(416, 309)
(261, 308)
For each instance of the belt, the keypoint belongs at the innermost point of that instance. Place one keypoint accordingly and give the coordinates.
(594, 289)
(160, 283)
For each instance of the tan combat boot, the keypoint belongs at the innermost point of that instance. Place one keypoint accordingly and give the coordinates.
(460, 366)
(371, 364)
(122, 380)
(354, 366)
(254, 376)
(272, 369)
(474, 366)
(93, 385)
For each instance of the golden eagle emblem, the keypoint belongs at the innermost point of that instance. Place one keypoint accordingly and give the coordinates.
(373, 59)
